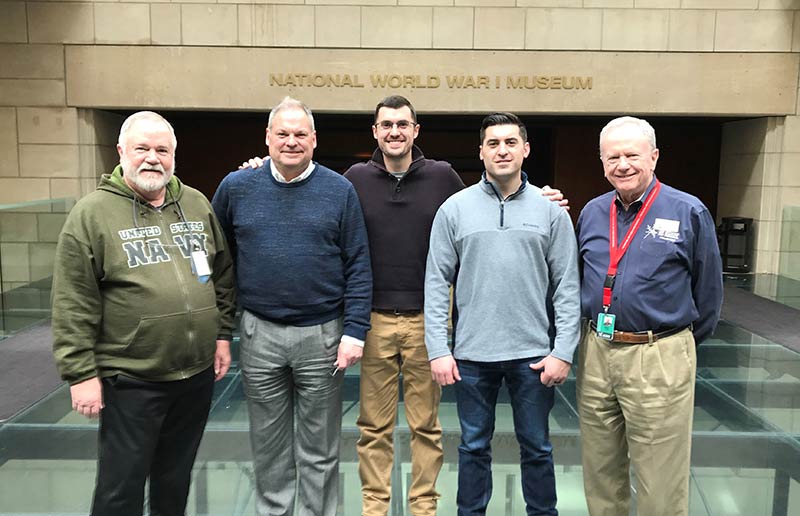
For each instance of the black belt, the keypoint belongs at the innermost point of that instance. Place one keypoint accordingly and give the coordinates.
(396, 312)
(640, 337)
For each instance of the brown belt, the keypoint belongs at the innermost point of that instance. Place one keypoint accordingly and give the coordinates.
(395, 312)
(639, 337)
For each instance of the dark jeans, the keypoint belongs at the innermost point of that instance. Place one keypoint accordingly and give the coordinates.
(149, 429)
(476, 398)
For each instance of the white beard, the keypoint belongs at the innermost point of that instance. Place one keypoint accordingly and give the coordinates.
(145, 184)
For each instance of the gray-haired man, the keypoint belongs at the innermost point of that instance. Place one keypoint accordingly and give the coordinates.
(143, 307)
(305, 285)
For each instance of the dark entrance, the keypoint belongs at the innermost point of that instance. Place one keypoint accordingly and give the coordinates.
(564, 149)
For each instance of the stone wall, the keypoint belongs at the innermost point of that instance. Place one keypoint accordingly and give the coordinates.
(609, 25)
(52, 149)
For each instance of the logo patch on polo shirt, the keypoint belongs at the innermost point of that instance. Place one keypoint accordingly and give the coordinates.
(664, 229)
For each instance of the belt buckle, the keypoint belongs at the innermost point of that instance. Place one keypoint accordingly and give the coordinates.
(396, 312)
(643, 337)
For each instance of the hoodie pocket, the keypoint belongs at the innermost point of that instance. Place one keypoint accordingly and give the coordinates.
(184, 338)
(154, 332)
(204, 325)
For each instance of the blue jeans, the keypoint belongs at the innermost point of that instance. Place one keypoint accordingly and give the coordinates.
(476, 398)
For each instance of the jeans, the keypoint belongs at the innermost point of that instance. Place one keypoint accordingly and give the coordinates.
(476, 398)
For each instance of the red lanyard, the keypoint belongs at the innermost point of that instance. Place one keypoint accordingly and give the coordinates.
(616, 254)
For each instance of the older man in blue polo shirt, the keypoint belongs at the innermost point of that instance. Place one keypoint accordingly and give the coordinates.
(651, 289)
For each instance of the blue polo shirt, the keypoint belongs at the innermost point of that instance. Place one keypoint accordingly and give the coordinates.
(671, 275)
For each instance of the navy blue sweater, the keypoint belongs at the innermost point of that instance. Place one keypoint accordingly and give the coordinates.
(300, 249)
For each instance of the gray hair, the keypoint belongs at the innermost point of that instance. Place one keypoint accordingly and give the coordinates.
(290, 103)
(640, 123)
(144, 115)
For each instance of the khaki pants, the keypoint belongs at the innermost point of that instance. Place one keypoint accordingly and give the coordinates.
(396, 344)
(636, 403)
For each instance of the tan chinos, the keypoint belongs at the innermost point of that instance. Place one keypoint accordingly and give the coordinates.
(636, 403)
(396, 344)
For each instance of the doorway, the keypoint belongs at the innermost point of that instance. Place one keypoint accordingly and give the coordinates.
(564, 150)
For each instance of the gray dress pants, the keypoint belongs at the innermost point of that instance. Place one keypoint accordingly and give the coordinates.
(295, 408)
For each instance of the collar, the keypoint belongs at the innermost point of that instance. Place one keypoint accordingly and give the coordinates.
(635, 205)
(492, 189)
(416, 159)
(279, 177)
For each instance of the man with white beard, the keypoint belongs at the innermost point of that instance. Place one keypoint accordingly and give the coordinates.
(143, 307)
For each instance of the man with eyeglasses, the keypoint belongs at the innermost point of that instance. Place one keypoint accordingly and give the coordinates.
(400, 191)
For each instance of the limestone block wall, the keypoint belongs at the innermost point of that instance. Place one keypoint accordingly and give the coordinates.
(760, 179)
(789, 249)
(52, 150)
(749, 175)
(656, 25)
(28, 236)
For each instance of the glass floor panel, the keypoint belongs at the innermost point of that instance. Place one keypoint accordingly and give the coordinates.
(774, 287)
(745, 462)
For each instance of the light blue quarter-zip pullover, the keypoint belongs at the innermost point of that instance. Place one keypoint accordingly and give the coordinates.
(513, 265)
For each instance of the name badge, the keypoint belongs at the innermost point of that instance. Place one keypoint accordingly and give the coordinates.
(200, 266)
(666, 229)
(605, 325)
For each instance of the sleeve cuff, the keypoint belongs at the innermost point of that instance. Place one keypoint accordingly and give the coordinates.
(566, 357)
(82, 378)
(433, 355)
(353, 340)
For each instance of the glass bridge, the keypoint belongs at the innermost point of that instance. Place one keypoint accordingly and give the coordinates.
(746, 442)
(746, 450)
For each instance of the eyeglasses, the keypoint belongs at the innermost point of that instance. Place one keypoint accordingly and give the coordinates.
(401, 125)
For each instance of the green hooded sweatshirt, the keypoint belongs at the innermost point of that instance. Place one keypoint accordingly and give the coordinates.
(125, 299)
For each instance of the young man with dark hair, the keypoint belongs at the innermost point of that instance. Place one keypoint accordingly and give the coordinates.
(510, 256)
(400, 191)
